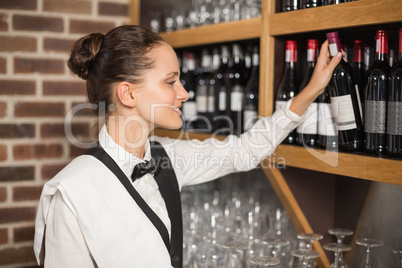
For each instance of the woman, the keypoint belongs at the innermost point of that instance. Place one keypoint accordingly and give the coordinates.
(86, 217)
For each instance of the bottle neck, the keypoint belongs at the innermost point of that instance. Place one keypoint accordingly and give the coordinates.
(381, 48)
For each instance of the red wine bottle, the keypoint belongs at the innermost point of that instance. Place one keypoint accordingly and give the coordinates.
(307, 132)
(203, 124)
(187, 79)
(376, 96)
(359, 69)
(289, 85)
(394, 116)
(327, 131)
(250, 114)
(345, 102)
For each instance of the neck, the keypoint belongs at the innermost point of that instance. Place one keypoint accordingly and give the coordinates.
(129, 134)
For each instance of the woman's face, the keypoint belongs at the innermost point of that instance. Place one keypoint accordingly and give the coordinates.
(161, 96)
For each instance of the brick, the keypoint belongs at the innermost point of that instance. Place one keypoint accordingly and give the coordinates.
(3, 109)
(64, 88)
(49, 130)
(86, 26)
(49, 171)
(26, 193)
(58, 45)
(11, 256)
(36, 23)
(14, 131)
(113, 9)
(17, 43)
(46, 66)
(39, 109)
(37, 151)
(3, 22)
(68, 6)
(17, 87)
(24, 234)
(18, 4)
(3, 152)
(3, 194)
(83, 109)
(76, 151)
(17, 214)
(3, 65)
(3, 236)
(24, 173)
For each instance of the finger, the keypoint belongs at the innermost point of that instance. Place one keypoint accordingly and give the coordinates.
(335, 61)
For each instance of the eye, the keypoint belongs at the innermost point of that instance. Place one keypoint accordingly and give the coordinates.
(172, 83)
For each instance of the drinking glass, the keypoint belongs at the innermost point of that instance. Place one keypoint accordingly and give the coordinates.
(264, 261)
(369, 244)
(337, 248)
(276, 246)
(340, 234)
(398, 251)
(309, 238)
(305, 255)
(235, 249)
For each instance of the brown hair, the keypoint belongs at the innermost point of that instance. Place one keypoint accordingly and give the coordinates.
(120, 55)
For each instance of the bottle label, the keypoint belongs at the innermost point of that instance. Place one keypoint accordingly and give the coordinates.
(211, 103)
(342, 109)
(202, 104)
(333, 49)
(189, 110)
(394, 124)
(375, 116)
(290, 56)
(236, 101)
(326, 124)
(222, 101)
(249, 117)
(309, 126)
(311, 55)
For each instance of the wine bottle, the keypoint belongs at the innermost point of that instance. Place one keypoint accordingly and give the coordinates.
(187, 81)
(289, 5)
(223, 87)
(307, 132)
(345, 102)
(236, 89)
(394, 116)
(359, 69)
(203, 124)
(327, 130)
(250, 114)
(212, 87)
(376, 96)
(289, 85)
(309, 3)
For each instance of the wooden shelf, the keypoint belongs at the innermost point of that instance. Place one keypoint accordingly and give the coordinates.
(215, 33)
(339, 163)
(345, 15)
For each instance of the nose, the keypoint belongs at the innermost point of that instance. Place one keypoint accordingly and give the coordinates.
(182, 93)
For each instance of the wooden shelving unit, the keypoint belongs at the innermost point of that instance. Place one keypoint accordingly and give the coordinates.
(268, 27)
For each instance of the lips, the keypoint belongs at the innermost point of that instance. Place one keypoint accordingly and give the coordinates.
(177, 110)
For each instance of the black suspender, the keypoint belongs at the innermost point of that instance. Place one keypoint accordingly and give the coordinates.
(169, 188)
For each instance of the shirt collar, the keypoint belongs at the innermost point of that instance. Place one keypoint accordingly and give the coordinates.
(123, 159)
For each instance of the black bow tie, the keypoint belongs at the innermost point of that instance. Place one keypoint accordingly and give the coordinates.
(152, 166)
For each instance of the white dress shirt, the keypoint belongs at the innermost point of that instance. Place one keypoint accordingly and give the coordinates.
(86, 218)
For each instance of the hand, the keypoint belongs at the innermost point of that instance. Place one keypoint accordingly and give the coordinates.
(323, 69)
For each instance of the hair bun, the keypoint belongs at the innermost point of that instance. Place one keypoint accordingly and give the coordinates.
(83, 54)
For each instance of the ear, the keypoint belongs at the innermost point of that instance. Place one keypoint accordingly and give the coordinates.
(125, 93)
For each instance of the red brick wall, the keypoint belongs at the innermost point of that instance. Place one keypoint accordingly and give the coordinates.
(36, 92)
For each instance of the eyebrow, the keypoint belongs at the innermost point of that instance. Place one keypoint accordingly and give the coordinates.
(172, 74)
